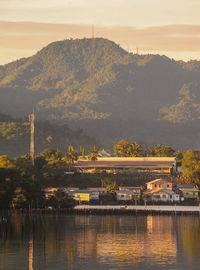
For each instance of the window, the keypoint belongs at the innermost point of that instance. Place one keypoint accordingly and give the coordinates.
(155, 185)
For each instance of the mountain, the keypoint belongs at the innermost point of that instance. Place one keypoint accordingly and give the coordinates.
(15, 137)
(111, 94)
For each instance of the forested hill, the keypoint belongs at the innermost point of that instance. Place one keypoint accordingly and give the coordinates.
(15, 137)
(110, 93)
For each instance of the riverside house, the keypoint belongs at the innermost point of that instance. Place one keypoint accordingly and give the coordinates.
(161, 195)
(136, 191)
(124, 195)
(84, 195)
(187, 192)
(159, 184)
(160, 190)
(50, 192)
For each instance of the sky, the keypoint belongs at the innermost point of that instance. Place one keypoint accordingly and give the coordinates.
(169, 27)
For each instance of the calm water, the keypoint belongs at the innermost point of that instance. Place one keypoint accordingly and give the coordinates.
(58, 242)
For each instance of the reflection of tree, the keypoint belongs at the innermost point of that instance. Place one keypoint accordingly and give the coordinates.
(121, 240)
(189, 233)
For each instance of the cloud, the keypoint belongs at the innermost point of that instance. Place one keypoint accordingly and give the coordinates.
(169, 39)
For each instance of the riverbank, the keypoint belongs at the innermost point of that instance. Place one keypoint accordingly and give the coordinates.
(114, 210)
(148, 209)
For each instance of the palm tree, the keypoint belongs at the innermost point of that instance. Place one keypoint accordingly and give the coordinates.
(93, 156)
(72, 155)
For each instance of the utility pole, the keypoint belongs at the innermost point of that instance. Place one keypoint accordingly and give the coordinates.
(32, 129)
(93, 31)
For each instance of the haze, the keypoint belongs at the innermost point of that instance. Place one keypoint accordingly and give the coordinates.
(154, 26)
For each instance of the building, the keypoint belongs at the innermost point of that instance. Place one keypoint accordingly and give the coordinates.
(50, 192)
(187, 192)
(124, 195)
(101, 190)
(135, 190)
(159, 165)
(84, 195)
(161, 195)
(159, 184)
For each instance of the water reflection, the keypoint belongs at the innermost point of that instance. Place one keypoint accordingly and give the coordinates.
(54, 242)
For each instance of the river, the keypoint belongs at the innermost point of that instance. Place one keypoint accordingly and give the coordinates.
(65, 242)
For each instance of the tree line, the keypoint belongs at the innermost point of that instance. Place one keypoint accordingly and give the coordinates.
(21, 183)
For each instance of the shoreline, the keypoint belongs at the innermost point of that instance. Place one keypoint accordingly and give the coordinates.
(113, 210)
(134, 209)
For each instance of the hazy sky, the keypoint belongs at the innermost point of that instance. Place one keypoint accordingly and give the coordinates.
(170, 27)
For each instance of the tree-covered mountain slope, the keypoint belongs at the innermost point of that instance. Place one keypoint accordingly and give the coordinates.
(15, 137)
(110, 93)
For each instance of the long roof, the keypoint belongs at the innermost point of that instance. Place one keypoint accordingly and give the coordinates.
(158, 180)
(118, 162)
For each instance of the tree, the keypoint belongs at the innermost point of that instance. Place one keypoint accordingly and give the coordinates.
(109, 184)
(93, 156)
(82, 150)
(179, 155)
(127, 149)
(161, 150)
(5, 162)
(72, 155)
(47, 153)
(191, 166)
(63, 200)
(19, 198)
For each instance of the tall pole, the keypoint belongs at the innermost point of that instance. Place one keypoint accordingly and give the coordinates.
(93, 31)
(32, 129)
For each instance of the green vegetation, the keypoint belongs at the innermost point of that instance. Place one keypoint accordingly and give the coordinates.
(127, 149)
(161, 151)
(110, 185)
(191, 167)
(93, 156)
(21, 183)
(96, 85)
(14, 136)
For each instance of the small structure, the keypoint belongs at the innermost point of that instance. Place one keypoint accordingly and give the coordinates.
(187, 192)
(67, 189)
(50, 192)
(161, 195)
(159, 184)
(124, 195)
(103, 153)
(136, 191)
(84, 195)
(101, 190)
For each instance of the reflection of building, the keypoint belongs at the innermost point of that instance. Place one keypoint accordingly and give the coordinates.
(157, 244)
(160, 240)
(30, 255)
